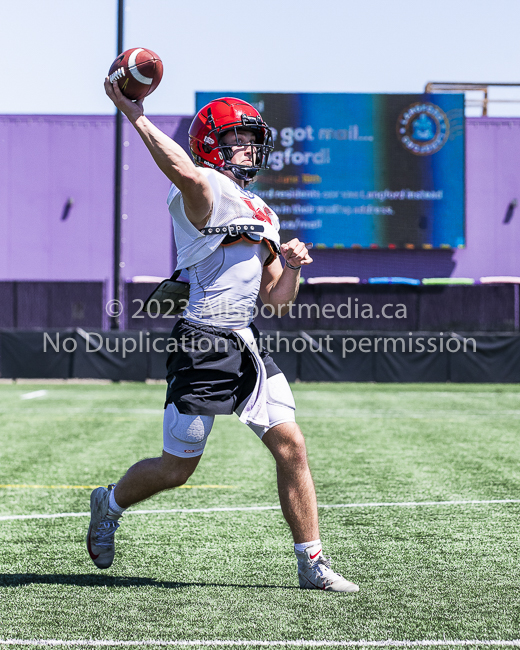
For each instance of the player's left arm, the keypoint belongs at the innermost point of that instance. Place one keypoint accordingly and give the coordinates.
(279, 286)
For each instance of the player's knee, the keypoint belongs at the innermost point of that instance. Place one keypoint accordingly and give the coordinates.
(178, 478)
(176, 470)
(296, 454)
(287, 445)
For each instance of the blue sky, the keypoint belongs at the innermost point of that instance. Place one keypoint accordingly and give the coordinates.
(62, 49)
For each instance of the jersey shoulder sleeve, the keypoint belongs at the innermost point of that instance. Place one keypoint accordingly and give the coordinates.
(210, 174)
(176, 204)
(180, 220)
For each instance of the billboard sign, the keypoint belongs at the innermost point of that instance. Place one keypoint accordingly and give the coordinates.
(364, 170)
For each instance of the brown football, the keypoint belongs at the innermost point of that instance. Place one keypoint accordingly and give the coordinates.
(137, 71)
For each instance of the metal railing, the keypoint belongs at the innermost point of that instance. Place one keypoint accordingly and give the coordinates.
(463, 87)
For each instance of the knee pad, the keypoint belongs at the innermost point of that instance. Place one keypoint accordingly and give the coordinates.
(185, 435)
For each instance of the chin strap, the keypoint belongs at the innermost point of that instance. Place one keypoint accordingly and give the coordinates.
(241, 173)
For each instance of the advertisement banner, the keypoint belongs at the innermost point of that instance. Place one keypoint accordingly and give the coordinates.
(363, 170)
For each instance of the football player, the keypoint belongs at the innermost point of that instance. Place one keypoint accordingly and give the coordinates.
(228, 240)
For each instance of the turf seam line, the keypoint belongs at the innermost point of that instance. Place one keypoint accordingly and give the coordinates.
(390, 643)
(406, 504)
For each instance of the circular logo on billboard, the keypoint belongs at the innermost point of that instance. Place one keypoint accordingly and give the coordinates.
(423, 128)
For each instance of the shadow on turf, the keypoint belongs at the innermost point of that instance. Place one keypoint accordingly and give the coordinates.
(94, 580)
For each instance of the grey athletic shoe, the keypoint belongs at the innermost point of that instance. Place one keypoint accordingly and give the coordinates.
(103, 525)
(314, 572)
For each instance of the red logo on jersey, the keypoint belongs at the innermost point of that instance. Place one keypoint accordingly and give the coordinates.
(261, 215)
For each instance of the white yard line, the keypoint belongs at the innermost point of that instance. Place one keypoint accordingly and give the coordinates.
(390, 643)
(435, 414)
(400, 504)
(23, 486)
(35, 394)
(411, 504)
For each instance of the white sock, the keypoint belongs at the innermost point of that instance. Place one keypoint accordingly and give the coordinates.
(304, 545)
(114, 511)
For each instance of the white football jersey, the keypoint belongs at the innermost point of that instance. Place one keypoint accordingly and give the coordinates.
(224, 286)
(231, 204)
(224, 280)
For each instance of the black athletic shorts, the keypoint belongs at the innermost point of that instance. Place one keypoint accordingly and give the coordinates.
(205, 379)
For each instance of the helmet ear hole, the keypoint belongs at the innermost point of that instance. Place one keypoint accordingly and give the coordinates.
(206, 148)
(227, 152)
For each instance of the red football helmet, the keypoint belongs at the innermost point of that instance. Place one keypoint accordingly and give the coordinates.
(223, 115)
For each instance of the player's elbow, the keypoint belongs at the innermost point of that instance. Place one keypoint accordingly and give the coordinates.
(275, 308)
(283, 309)
(189, 179)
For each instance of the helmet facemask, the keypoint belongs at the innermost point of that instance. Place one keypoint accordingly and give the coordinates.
(260, 150)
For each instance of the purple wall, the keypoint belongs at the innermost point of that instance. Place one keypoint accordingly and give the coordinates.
(44, 160)
(492, 182)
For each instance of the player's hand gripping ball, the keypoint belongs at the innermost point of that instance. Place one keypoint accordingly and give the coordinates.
(138, 72)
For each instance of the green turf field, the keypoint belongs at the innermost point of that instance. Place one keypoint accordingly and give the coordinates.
(427, 571)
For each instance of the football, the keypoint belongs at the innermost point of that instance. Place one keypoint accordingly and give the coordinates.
(137, 71)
